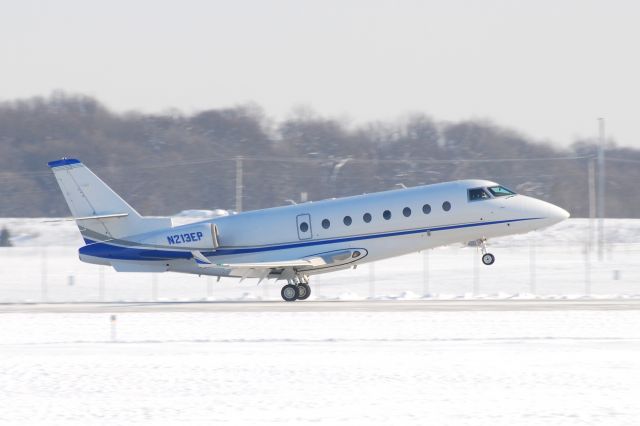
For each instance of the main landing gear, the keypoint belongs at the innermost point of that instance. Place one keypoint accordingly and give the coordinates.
(297, 289)
(487, 258)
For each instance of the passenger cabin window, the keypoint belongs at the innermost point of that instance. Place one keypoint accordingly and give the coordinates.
(477, 194)
(426, 209)
(304, 226)
(366, 217)
(326, 224)
(386, 215)
(446, 206)
(347, 220)
(501, 191)
(406, 212)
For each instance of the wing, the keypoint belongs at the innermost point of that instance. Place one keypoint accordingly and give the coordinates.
(284, 269)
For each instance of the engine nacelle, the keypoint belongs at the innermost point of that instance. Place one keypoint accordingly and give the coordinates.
(199, 236)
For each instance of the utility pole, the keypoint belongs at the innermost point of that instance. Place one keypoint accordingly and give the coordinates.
(238, 184)
(601, 190)
(592, 216)
(372, 280)
(476, 276)
(209, 287)
(592, 199)
(532, 266)
(101, 289)
(154, 287)
(43, 276)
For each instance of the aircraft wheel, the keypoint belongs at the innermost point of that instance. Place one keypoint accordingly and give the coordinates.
(488, 259)
(304, 291)
(290, 293)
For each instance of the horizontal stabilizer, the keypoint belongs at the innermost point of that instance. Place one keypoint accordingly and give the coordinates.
(104, 216)
(71, 219)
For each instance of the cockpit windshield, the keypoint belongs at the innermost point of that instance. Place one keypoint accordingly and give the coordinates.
(477, 194)
(500, 191)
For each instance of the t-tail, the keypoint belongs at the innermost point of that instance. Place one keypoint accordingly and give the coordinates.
(99, 212)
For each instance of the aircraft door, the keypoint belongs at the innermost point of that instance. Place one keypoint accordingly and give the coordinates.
(304, 226)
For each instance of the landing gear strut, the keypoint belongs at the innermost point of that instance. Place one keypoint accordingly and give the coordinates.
(296, 289)
(487, 258)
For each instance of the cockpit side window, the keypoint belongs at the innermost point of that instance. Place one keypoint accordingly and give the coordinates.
(501, 191)
(477, 194)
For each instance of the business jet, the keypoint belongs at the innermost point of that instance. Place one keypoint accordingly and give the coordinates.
(293, 242)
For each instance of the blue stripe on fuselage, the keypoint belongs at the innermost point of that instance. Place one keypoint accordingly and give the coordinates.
(110, 251)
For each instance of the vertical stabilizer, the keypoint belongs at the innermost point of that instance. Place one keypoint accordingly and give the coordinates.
(99, 212)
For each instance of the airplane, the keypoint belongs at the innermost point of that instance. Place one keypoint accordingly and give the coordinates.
(293, 242)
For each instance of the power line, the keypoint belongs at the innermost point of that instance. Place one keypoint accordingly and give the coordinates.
(302, 160)
(623, 160)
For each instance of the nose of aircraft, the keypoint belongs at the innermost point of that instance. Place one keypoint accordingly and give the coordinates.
(543, 213)
(558, 214)
(552, 213)
(547, 214)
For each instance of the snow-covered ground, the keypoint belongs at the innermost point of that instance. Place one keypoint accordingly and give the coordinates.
(421, 368)
(436, 368)
(44, 265)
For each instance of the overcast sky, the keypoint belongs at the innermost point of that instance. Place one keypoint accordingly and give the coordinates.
(547, 68)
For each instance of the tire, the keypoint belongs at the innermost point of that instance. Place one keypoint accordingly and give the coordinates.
(488, 259)
(289, 293)
(304, 291)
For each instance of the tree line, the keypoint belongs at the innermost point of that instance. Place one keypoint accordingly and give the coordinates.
(163, 163)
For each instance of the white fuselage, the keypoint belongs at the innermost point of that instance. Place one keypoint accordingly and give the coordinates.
(297, 231)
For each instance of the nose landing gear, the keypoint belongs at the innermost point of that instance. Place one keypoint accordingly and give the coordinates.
(487, 258)
(297, 289)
